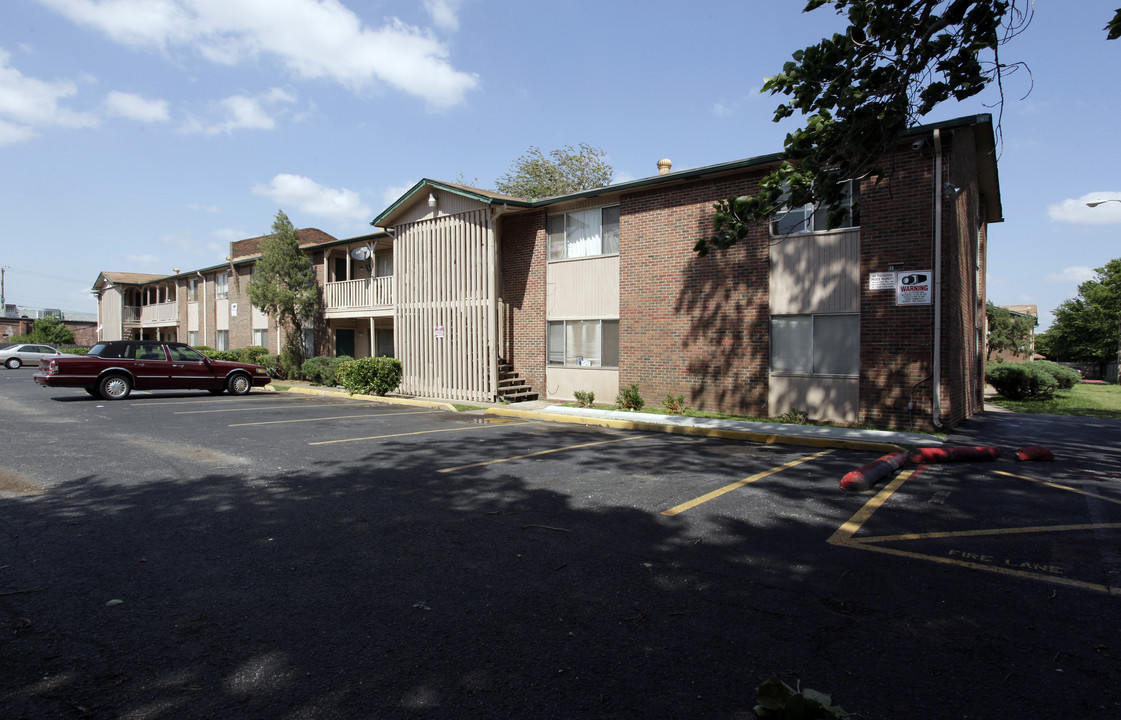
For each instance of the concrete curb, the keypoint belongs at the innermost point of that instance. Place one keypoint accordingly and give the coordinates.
(817, 436)
(697, 427)
(324, 392)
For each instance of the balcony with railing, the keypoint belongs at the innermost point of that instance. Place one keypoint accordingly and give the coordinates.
(350, 298)
(165, 313)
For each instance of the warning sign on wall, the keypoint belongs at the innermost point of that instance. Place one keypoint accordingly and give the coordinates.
(914, 287)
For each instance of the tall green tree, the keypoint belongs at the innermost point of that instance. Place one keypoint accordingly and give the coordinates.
(565, 170)
(49, 330)
(1008, 332)
(283, 285)
(1086, 327)
(857, 90)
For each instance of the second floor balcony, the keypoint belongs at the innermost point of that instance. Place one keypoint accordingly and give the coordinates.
(166, 313)
(366, 295)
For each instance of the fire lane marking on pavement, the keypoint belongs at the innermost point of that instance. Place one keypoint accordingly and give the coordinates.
(542, 452)
(845, 537)
(678, 509)
(419, 432)
(375, 416)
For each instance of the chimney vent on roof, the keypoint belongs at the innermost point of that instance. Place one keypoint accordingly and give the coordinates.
(175, 270)
(664, 166)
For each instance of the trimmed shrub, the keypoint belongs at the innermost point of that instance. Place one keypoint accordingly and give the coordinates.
(252, 354)
(1064, 376)
(629, 398)
(228, 355)
(1021, 380)
(322, 370)
(370, 376)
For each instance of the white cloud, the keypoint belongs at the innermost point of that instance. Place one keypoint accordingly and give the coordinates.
(444, 13)
(312, 39)
(393, 193)
(242, 112)
(135, 107)
(199, 207)
(1075, 210)
(1076, 274)
(314, 199)
(27, 104)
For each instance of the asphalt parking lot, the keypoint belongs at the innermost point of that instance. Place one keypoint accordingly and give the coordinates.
(178, 555)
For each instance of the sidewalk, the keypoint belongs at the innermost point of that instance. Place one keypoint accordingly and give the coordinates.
(759, 432)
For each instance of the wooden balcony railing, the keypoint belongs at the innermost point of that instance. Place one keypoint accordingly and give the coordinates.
(361, 294)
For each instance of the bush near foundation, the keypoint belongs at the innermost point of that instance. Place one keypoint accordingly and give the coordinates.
(253, 354)
(370, 376)
(1021, 380)
(323, 370)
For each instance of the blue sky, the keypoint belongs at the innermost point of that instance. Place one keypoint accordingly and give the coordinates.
(145, 135)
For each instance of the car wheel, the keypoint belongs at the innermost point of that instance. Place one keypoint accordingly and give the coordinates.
(13, 363)
(115, 387)
(239, 384)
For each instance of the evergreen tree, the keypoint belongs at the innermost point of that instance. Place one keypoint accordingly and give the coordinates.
(283, 285)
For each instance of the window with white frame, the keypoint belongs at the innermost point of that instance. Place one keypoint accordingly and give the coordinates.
(309, 342)
(584, 233)
(261, 337)
(583, 343)
(815, 344)
(192, 337)
(222, 286)
(222, 340)
(812, 218)
(193, 290)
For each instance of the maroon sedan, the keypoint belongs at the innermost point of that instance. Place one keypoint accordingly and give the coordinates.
(112, 369)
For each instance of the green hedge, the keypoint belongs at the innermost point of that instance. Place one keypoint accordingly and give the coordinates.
(370, 376)
(323, 370)
(1022, 380)
(1064, 376)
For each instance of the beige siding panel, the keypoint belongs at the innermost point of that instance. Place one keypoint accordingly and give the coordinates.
(584, 288)
(192, 317)
(816, 273)
(824, 398)
(584, 204)
(222, 314)
(112, 315)
(561, 383)
(446, 204)
(445, 315)
(258, 320)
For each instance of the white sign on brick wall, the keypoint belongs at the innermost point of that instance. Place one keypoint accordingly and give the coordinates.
(881, 281)
(914, 287)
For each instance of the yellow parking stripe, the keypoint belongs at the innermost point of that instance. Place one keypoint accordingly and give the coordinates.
(542, 452)
(336, 417)
(419, 432)
(1056, 486)
(736, 485)
(986, 533)
(247, 409)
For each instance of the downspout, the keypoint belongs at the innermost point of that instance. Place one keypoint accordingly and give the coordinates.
(936, 405)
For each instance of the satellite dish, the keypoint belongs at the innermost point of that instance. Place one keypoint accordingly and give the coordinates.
(361, 254)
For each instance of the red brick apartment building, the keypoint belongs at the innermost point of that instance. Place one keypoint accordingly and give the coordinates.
(484, 296)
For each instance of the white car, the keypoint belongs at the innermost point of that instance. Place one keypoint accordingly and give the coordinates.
(15, 356)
